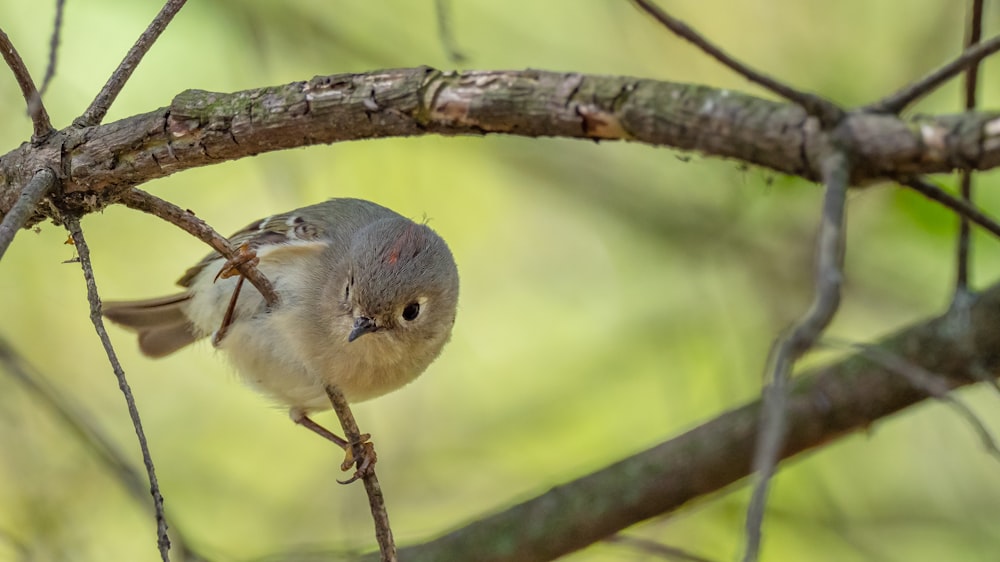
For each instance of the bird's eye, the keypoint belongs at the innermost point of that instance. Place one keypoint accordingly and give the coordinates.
(411, 311)
(347, 291)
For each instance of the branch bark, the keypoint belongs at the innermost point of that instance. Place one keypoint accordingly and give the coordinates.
(823, 405)
(97, 164)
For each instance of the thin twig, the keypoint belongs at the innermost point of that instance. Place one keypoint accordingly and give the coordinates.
(188, 222)
(83, 427)
(383, 531)
(50, 69)
(23, 551)
(964, 242)
(935, 385)
(971, 83)
(42, 182)
(663, 551)
(442, 9)
(826, 111)
(39, 117)
(962, 208)
(898, 101)
(99, 107)
(802, 337)
(73, 224)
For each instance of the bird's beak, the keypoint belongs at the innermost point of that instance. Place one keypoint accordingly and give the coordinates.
(362, 325)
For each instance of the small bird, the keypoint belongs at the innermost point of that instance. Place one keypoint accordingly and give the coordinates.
(367, 301)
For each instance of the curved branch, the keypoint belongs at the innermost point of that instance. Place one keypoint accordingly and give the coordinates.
(185, 220)
(200, 128)
(789, 348)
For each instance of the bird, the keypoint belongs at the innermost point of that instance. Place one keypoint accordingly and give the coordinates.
(367, 301)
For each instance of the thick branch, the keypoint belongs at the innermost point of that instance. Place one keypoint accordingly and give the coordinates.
(201, 128)
(822, 406)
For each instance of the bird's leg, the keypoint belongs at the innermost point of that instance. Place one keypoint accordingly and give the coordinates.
(364, 464)
(244, 254)
(227, 319)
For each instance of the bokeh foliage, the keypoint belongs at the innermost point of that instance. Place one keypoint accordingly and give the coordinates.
(613, 295)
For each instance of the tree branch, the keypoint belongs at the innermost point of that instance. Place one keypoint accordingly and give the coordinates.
(826, 111)
(823, 405)
(41, 183)
(961, 207)
(910, 93)
(376, 501)
(442, 13)
(203, 128)
(98, 108)
(932, 384)
(50, 68)
(39, 117)
(963, 249)
(800, 339)
(73, 224)
(188, 222)
(85, 429)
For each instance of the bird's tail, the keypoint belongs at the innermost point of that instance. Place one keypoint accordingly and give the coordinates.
(162, 326)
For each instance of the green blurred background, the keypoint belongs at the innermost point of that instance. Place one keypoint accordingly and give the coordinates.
(613, 295)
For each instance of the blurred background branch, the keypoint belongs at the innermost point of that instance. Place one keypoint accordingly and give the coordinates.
(822, 406)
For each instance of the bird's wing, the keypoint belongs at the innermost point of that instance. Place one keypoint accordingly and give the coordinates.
(266, 233)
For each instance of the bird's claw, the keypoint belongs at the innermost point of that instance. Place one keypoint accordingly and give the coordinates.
(242, 256)
(365, 463)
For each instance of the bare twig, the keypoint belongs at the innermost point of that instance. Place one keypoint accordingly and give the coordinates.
(99, 107)
(826, 111)
(964, 242)
(50, 69)
(898, 101)
(82, 426)
(39, 117)
(43, 181)
(73, 224)
(974, 34)
(383, 532)
(187, 221)
(962, 208)
(935, 385)
(442, 9)
(788, 349)
(662, 551)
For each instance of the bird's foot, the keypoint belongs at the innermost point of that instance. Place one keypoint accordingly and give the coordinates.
(365, 464)
(242, 256)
